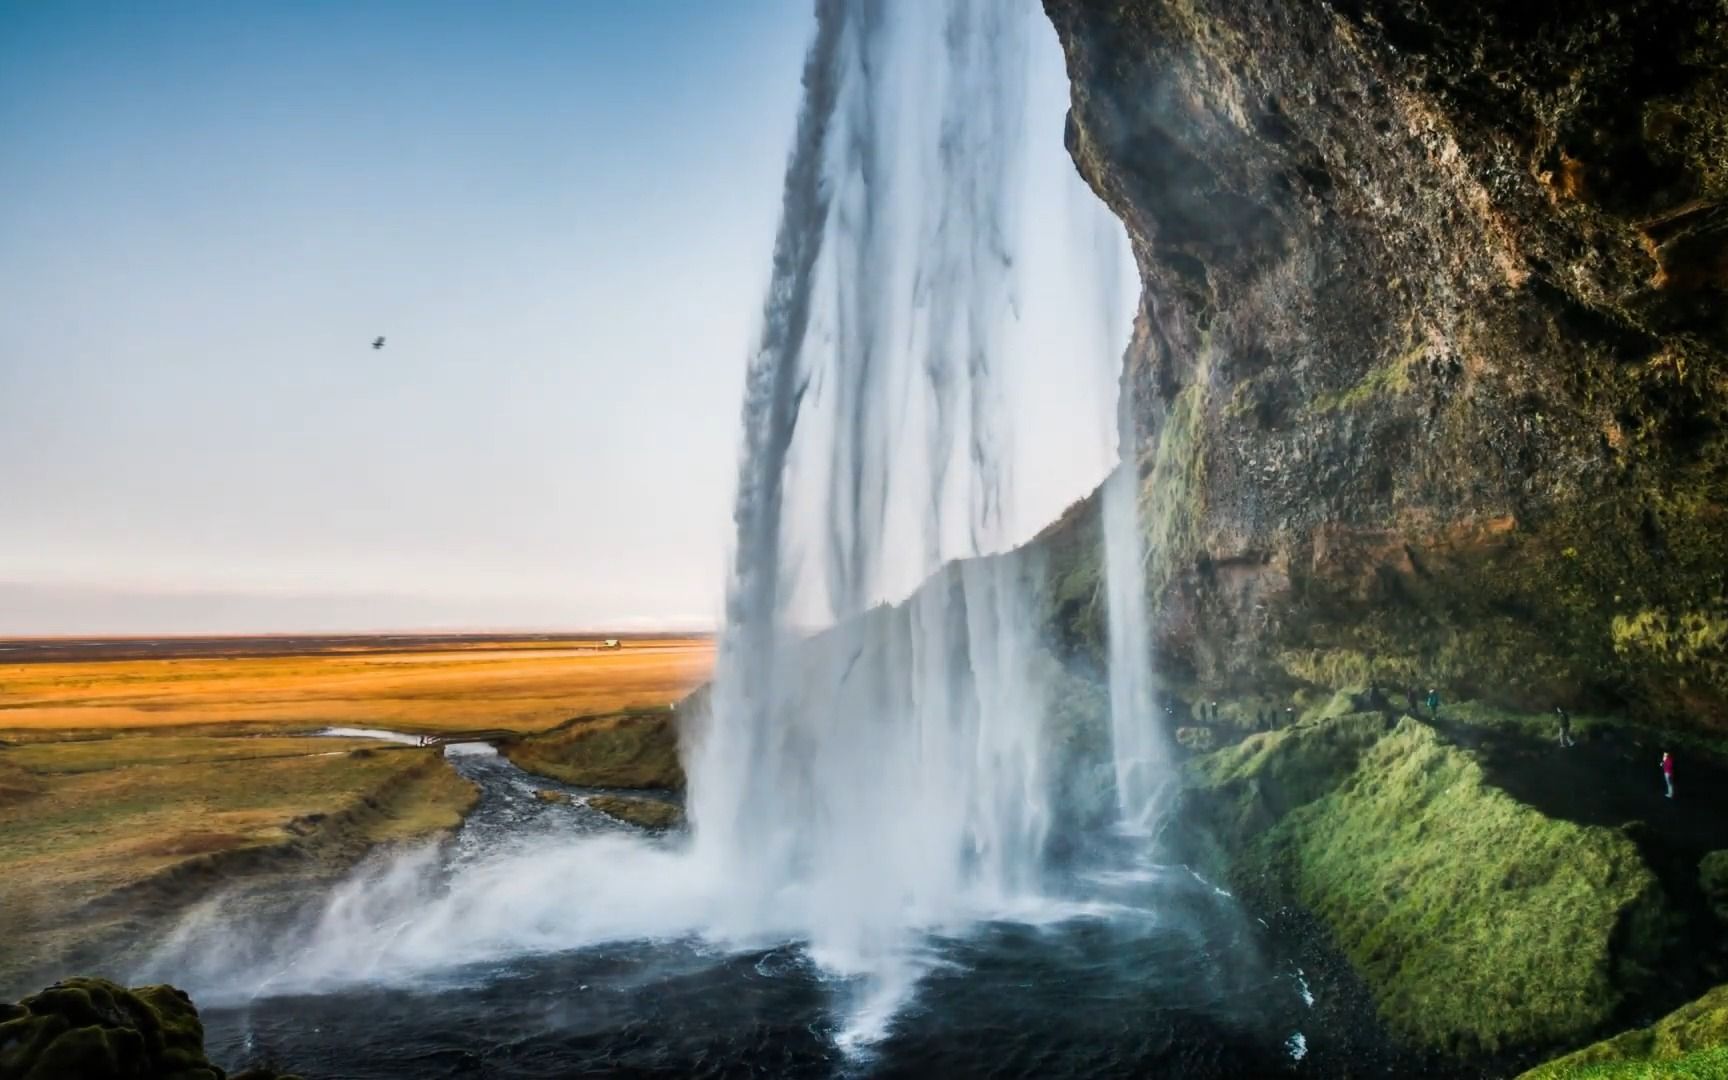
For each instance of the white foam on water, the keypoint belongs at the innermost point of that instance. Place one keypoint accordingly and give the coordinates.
(470, 749)
(370, 733)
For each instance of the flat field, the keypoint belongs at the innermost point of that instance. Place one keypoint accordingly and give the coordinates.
(419, 685)
(137, 777)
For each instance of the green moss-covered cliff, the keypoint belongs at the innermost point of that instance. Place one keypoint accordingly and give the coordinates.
(1430, 359)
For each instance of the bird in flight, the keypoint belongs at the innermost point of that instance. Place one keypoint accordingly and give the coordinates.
(379, 344)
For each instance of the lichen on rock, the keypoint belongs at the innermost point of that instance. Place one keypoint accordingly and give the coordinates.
(94, 1029)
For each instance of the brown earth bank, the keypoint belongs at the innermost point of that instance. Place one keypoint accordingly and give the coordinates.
(105, 843)
(1431, 361)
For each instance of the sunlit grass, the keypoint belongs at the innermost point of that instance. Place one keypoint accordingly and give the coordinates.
(474, 687)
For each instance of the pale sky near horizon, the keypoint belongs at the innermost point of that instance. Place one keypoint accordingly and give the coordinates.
(559, 214)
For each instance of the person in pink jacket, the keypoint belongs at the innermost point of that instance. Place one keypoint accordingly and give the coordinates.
(1668, 772)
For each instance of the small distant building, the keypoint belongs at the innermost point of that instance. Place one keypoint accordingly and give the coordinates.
(611, 643)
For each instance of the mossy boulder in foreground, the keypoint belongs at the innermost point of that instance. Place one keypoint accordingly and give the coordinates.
(1478, 922)
(96, 1030)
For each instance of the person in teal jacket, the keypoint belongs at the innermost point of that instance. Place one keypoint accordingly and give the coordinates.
(1434, 703)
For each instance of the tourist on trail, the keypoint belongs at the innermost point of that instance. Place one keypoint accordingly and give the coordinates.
(1565, 727)
(1433, 703)
(1668, 772)
(1410, 699)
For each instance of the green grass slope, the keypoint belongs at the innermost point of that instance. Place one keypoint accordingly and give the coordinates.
(627, 750)
(1478, 922)
(1691, 1041)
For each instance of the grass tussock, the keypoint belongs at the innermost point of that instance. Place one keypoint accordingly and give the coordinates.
(626, 750)
(1690, 1042)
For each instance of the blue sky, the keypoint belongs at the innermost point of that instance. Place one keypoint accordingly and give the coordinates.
(560, 215)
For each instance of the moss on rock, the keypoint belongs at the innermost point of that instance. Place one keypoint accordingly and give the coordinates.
(94, 1029)
(1257, 781)
(1477, 922)
(1713, 878)
(1691, 1041)
(635, 810)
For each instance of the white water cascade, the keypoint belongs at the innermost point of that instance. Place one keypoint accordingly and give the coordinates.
(1138, 743)
(884, 778)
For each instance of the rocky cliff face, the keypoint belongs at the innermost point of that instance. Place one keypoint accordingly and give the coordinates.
(1432, 358)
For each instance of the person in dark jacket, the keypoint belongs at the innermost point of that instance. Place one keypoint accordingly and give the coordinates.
(1565, 727)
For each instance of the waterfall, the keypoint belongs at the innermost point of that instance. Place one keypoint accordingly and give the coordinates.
(884, 777)
(866, 787)
(1139, 747)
